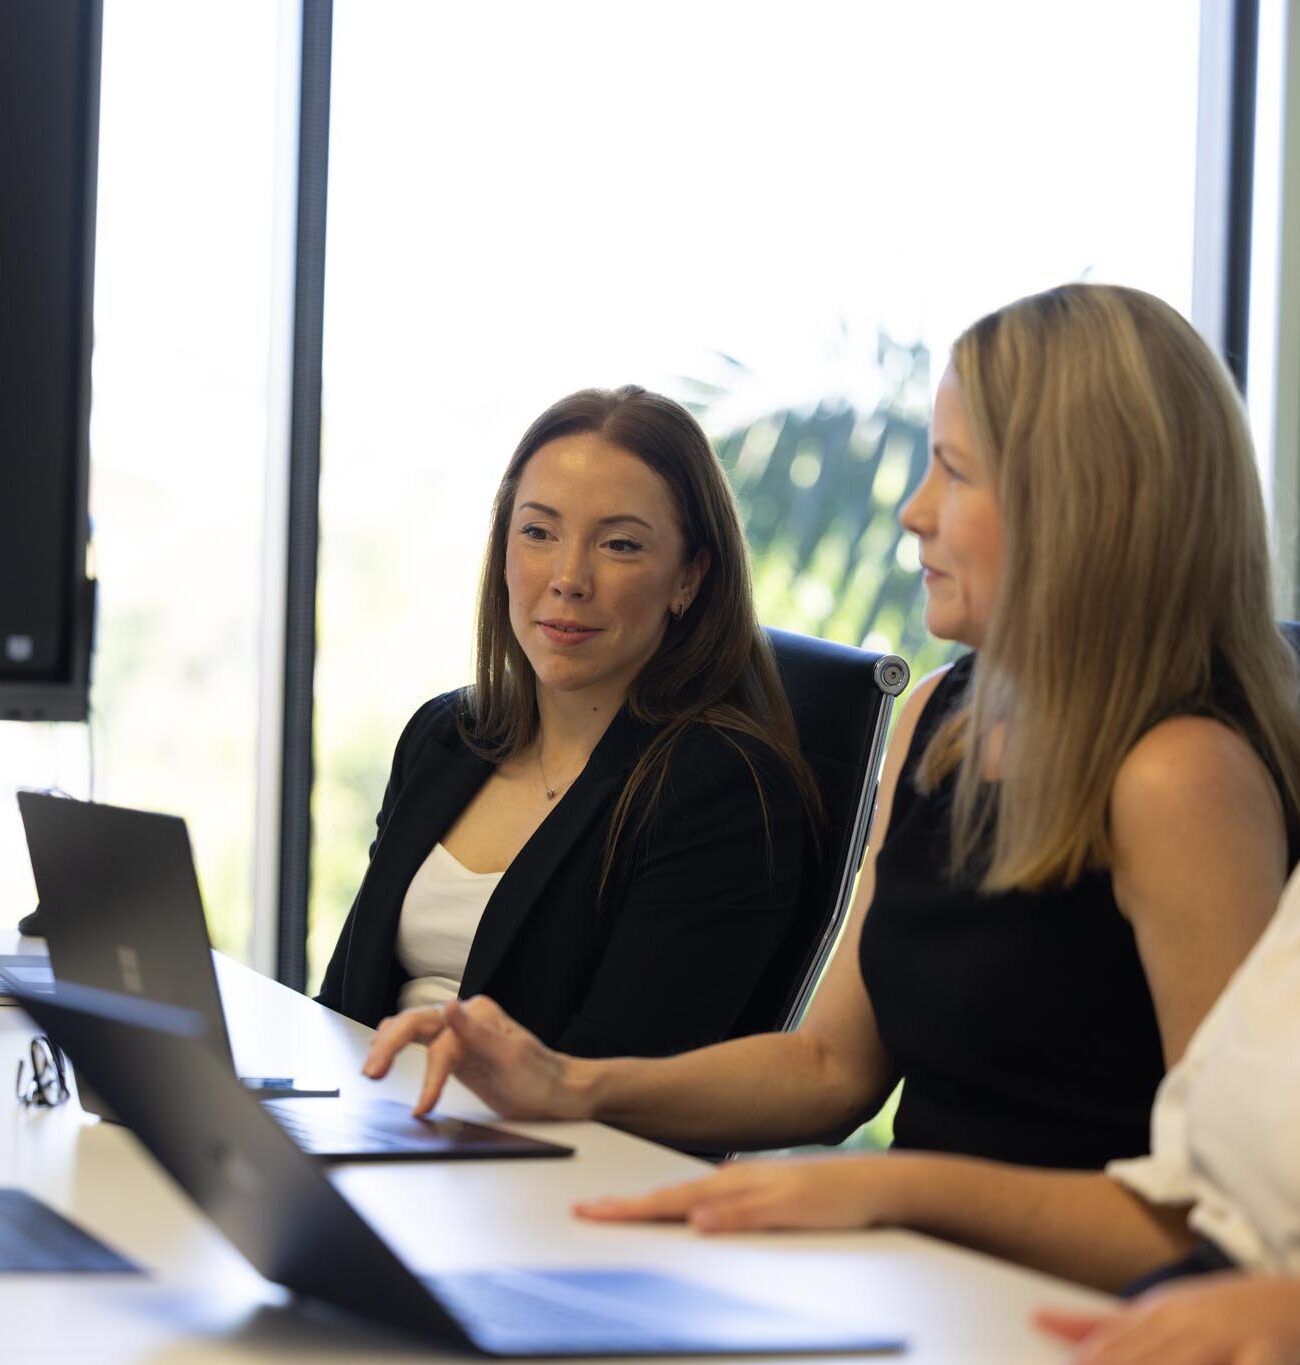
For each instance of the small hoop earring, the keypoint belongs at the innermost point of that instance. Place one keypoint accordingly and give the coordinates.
(678, 612)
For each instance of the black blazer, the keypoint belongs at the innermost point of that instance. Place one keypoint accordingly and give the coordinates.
(696, 904)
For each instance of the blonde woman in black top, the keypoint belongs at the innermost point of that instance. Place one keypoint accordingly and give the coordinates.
(1080, 832)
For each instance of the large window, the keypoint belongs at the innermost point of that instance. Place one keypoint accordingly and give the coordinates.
(780, 214)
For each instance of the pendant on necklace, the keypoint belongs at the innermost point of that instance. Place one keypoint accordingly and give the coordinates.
(551, 793)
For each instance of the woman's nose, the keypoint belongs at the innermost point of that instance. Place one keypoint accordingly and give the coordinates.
(916, 515)
(572, 576)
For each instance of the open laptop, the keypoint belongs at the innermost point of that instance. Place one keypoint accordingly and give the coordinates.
(281, 1211)
(32, 969)
(122, 911)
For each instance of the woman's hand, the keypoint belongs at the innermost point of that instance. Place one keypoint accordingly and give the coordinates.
(477, 1042)
(425, 1024)
(818, 1192)
(1220, 1319)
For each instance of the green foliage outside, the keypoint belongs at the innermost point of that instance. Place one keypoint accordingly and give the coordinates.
(819, 486)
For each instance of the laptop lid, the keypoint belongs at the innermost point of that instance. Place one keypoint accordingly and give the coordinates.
(123, 914)
(121, 905)
(154, 1065)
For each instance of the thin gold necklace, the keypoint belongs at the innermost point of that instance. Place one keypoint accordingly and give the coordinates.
(551, 792)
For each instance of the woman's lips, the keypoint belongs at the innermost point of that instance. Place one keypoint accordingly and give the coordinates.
(567, 632)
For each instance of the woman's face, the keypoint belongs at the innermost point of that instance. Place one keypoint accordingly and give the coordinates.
(955, 516)
(595, 561)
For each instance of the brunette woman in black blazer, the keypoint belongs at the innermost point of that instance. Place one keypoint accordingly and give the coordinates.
(624, 778)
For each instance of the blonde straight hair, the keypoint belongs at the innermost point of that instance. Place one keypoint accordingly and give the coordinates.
(1135, 584)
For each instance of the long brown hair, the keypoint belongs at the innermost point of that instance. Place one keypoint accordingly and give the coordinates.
(1135, 583)
(714, 666)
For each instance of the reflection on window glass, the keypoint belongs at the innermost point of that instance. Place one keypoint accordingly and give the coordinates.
(779, 215)
(178, 438)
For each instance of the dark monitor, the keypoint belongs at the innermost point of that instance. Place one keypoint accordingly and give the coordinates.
(49, 138)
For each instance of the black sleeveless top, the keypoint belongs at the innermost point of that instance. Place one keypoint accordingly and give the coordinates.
(1021, 1021)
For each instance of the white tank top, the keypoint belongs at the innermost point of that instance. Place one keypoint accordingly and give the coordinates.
(439, 919)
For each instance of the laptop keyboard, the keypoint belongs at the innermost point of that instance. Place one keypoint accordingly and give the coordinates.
(358, 1129)
(619, 1312)
(351, 1131)
(517, 1301)
(35, 1238)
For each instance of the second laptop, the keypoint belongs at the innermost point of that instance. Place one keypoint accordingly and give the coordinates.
(122, 909)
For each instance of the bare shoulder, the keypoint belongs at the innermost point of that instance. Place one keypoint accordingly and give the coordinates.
(1187, 770)
(924, 689)
(1195, 818)
(901, 741)
(1199, 859)
(916, 703)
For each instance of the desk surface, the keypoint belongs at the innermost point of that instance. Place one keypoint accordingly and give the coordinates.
(202, 1302)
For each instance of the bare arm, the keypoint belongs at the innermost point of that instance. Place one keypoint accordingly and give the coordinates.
(763, 1091)
(1080, 1225)
(1077, 1224)
(774, 1090)
(1199, 863)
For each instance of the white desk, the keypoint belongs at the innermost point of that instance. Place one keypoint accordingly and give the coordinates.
(202, 1302)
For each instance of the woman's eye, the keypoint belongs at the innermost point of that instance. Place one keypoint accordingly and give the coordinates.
(622, 545)
(534, 532)
(948, 468)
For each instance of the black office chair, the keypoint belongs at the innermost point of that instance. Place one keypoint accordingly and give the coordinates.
(842, 698)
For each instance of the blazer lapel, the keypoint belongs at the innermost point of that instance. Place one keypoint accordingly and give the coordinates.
(592, 795)
(440, 786)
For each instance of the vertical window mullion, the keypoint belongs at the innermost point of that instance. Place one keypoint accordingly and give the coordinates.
(302, 511)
